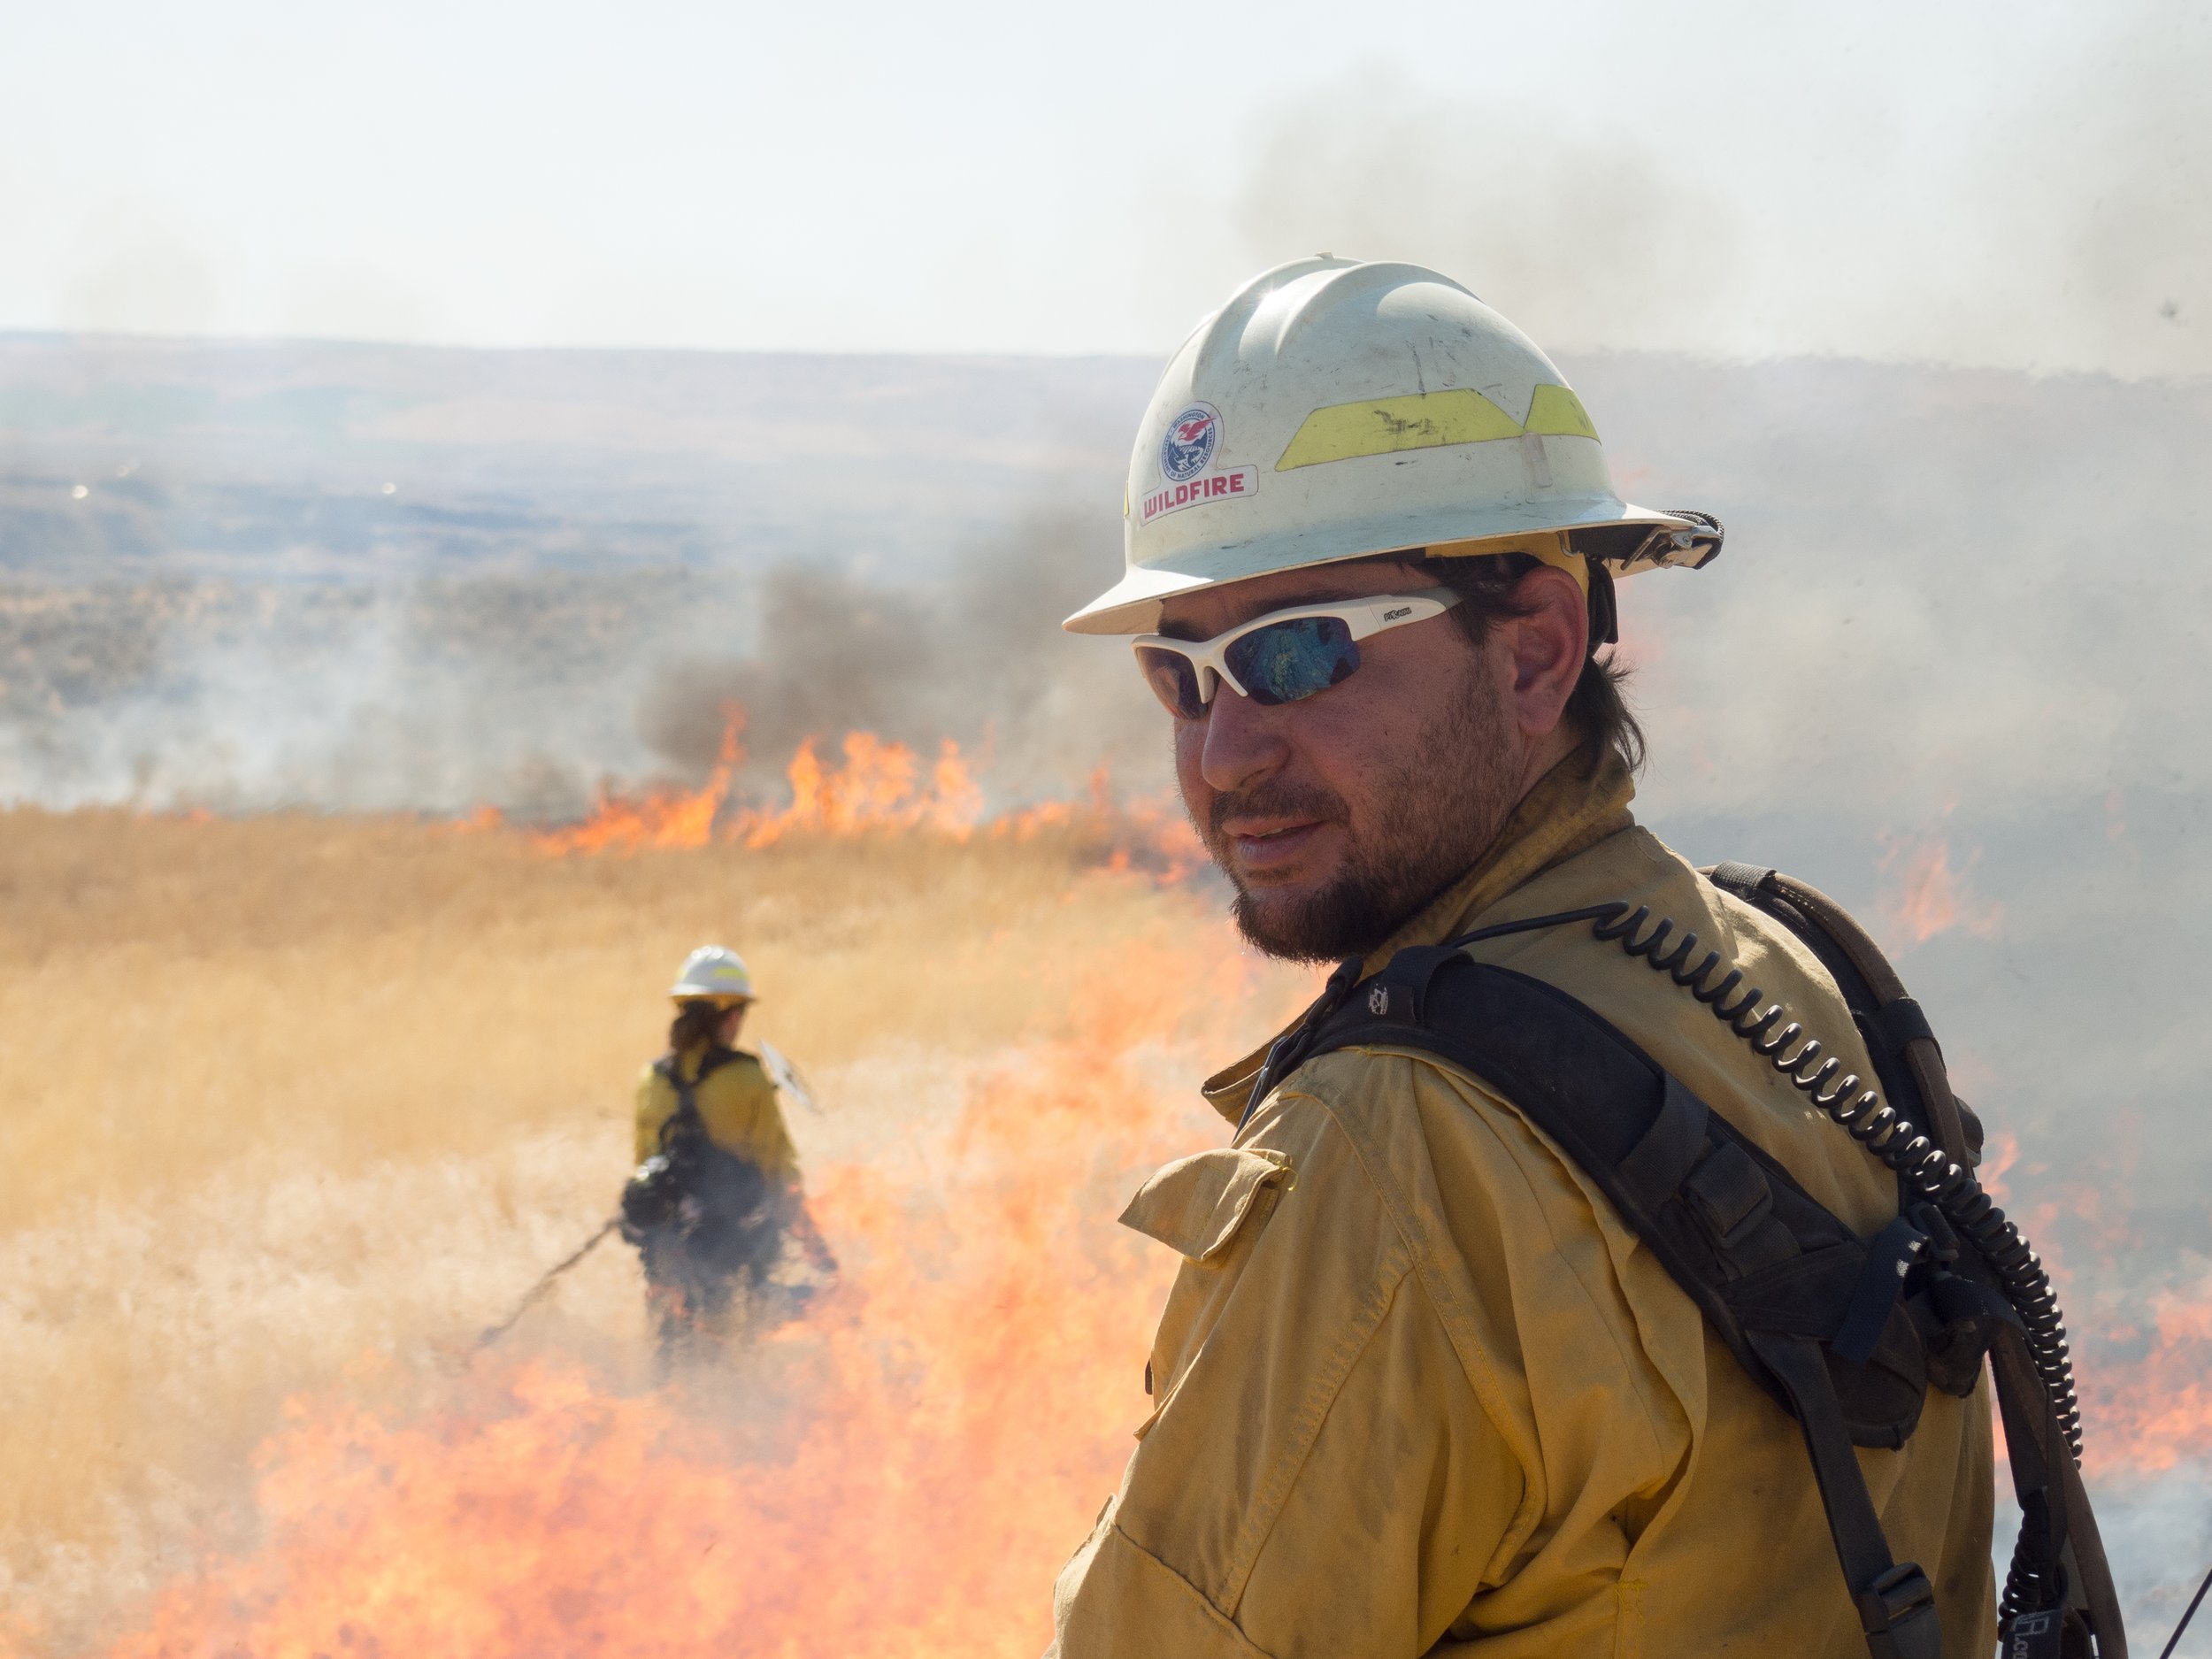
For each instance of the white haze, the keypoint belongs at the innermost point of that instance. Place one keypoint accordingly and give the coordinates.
(1959, 612)
(2022, 185)
(2049, 208)
(1958, 625)
(1918, 299)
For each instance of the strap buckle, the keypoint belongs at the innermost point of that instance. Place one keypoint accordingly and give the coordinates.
(1729, 1196)
(1897, 1613)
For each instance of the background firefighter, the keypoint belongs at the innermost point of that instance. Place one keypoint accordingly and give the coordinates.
(716, 1204)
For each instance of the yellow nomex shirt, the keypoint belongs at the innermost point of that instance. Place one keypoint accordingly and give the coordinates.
(1419, 1390)
(737, 1107)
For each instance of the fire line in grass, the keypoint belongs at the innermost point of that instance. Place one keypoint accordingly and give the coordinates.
(901, 1474)
(869, 786)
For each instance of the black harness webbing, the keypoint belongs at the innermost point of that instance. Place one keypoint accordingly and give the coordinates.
(1846, 1333)
(686, 1120)
(729, 1184)
(2060, 1599)
(1775, 1273)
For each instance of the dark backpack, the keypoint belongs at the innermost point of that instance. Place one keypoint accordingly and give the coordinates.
(728, 1195)
(1846, 1333)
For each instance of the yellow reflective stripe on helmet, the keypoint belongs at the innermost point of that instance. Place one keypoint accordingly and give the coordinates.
(1557, 412)
(1428, 420)
(1419, 420)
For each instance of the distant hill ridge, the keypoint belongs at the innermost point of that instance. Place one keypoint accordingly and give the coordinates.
(123, 456)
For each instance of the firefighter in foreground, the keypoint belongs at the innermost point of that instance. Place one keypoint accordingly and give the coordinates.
(716, 1207)
(1534, 1309)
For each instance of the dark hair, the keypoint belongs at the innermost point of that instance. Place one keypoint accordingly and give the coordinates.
(1596, 705)
(696, 1022)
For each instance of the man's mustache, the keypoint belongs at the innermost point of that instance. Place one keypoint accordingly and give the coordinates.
(1275, 800)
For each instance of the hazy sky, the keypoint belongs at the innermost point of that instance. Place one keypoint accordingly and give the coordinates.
(2024, 184)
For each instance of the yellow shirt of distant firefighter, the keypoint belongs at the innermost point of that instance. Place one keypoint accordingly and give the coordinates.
(737, 1106)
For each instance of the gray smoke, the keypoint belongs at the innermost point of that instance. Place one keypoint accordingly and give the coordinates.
(391, 579)
(421, 696)
(1949, 667)
(1579, 239)
(1960, 619)
(976, 656)
(2051, 215)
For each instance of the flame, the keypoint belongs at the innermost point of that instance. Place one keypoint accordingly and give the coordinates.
(659, 818)
(913, 1464)
(879, 787)
(2002, 1154)
(2150, 1409)
(1924, 897)
(1160, 828)
(874, 787)
(1030, 822)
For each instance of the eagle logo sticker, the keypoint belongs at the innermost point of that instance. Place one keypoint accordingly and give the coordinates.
(1187, 448)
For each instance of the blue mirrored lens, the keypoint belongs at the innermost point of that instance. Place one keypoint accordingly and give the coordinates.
(1173, 680)
(1285, 661)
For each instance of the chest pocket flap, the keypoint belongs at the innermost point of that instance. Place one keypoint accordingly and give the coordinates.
(1195, 1204)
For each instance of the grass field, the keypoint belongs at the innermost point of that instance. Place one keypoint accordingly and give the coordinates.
(297, 1105)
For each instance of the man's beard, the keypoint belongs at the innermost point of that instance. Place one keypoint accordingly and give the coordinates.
(1435, 817)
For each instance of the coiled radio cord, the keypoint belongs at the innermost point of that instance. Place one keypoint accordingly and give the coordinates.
(1895, 1140)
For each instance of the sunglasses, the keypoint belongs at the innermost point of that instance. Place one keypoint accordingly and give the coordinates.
(1282, 656)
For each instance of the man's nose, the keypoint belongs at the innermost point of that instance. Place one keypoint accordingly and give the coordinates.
(1244, 743)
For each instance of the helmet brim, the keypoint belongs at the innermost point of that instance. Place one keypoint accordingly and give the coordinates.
(1626, 536)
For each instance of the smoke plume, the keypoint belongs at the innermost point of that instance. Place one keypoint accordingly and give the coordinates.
(1948, 669)
(2054, 217)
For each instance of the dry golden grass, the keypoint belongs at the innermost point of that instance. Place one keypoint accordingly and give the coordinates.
(283, 1094)
(183, 995)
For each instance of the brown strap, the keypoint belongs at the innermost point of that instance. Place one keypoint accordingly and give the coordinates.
(2028, 1407)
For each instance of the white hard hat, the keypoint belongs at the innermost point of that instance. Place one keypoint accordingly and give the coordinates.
(1333, 409)
(712, 970)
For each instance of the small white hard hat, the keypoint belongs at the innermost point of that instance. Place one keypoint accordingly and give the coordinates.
(1333, 409)
(713, 970)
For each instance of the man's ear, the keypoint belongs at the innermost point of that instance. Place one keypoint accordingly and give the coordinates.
(1548, 646)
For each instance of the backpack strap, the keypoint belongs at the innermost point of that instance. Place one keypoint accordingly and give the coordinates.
(1978, 1289)
(684, 1120)
(1777, 1276)
(714, 1058)
(2058, 1565)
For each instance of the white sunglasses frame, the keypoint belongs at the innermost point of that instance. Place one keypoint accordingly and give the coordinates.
(1364, 618)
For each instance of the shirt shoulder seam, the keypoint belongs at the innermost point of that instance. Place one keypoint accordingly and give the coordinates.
(1227, 1626)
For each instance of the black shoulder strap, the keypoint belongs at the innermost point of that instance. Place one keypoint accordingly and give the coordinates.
(2059, 1560)
(1780, 1278)
(715, 1059)
(686, 1119)
(1782, 1297)
(685, 1122)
